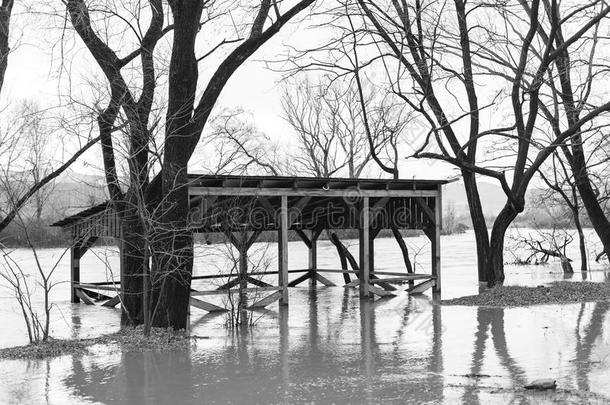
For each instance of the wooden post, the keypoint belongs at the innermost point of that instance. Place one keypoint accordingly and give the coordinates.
(313, 258)
(372, 253)
(436, 242)
(74, 272)
(364, 249)
(243, 271)
(283, 251)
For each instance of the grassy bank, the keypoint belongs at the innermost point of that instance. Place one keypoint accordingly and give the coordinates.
(126, 340)
(559, 292)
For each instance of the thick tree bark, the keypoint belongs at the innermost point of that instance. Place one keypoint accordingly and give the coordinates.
(5, 19)
(173, 254)
(133, 266)
(496, 247)
(577, 159)
(588, 196)
(479, 226)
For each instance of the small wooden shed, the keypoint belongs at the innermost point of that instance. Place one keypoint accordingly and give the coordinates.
(242, 207)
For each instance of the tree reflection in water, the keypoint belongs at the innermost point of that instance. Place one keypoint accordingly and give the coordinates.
(331, 347)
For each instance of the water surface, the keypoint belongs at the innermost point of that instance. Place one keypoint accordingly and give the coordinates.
(328, 346)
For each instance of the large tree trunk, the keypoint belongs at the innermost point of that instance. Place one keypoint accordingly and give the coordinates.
(133, 265)
(479, 225)
(496, 248)
(588, 195)
(173, 255)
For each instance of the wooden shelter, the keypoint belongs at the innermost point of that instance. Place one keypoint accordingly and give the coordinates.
(242, 207)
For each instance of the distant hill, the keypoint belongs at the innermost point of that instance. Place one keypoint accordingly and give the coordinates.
(75, 191)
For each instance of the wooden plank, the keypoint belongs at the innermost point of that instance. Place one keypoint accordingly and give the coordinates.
(267, 300)
(352, 283)
(337, 271)
(324, 280)
(288, 192)
(283, 250)
(229, 284)
(406, 277)
(206, 306)
(233, 291)
(95, 287)
(256, 282)
(421, 287)
(256, 273)
(84, 297)
(380, 291)
(95, 295)
(112, 302)
(300, 279)
(304, 237)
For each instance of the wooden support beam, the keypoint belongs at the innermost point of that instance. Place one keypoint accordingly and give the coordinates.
(364, 248)
(243, 271)
(354, 283)
(253, 237)
(95, 287)
(206, 306)
(324, 280)
(436, 243)
(300, 279)
(85, 245)
(234, 241)
(233, 291)
(112, 302)
(74, 273)
(285, 192)
(304, 237)
(296, 209)
(426, 208)
(229, 284)
(84, 297)
(312, 257)
(421, 287)
(267, 300)
(380, 291)
(407, 277)
(257, 282)
(97, 296)
(341, 251)
(283, 250)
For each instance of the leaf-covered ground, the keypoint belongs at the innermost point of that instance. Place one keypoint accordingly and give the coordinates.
(559, 292)
(127, 340)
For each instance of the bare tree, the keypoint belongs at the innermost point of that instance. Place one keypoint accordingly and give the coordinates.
(328, 124)
(185, 120)
(560, 183)
(235, 146)
(6, 9)
(19, 281)
(442, 49)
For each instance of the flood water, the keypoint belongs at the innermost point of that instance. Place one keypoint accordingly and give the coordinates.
(328, 346)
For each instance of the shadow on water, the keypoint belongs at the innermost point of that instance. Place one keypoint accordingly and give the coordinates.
(331, 347)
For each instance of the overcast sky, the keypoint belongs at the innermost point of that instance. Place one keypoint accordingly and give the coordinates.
(33, 74)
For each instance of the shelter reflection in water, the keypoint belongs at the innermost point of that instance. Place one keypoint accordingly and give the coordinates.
(393, 351)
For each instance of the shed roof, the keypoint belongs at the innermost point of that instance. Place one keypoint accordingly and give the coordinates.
(288, 183)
